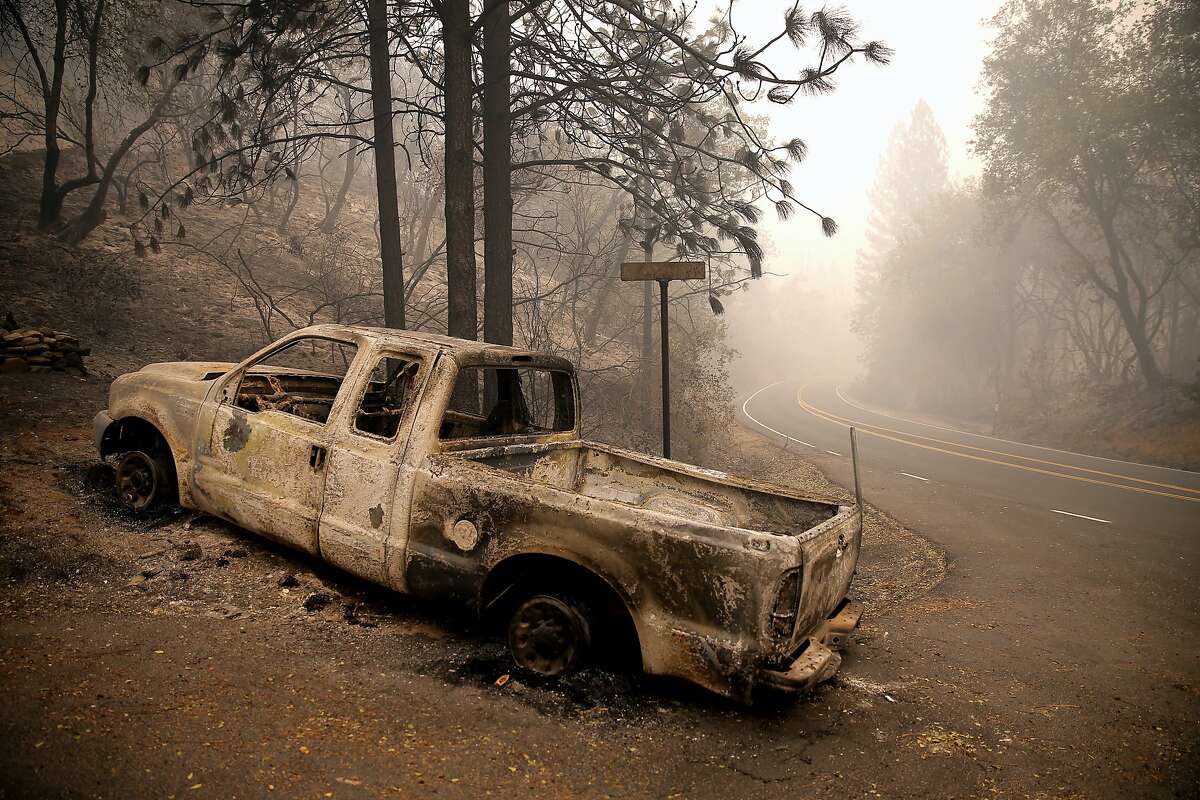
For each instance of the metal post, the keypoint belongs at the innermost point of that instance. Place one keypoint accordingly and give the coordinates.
(664, 272)
(664, 335)
(854, 462)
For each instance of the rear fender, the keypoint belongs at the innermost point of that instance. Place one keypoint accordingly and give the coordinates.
(694, 593)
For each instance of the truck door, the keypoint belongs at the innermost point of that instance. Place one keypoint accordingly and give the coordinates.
(368, 481)
(263, 462)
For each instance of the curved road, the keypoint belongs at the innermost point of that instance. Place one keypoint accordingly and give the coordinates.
(1073, 578)
(1128, 495)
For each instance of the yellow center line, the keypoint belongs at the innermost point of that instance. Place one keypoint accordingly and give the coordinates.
(875, 430)
(1014, 455)
(1007, 455)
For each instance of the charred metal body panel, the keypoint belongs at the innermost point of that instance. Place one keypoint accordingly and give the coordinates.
(727, 582)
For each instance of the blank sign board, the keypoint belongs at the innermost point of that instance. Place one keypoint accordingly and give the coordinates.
(662, 270)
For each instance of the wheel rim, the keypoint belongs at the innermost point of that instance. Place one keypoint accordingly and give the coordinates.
(547, 635)
(137, 481)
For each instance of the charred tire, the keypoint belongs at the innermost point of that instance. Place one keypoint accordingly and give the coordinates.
(550, 633)
(144, 480)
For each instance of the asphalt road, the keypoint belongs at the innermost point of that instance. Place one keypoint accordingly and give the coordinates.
(903, 453)
(1075, 577)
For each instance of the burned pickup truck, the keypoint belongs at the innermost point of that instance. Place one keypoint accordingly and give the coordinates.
(454, 470)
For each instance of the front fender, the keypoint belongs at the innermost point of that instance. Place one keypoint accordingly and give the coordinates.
(171, 405)
(101, 431)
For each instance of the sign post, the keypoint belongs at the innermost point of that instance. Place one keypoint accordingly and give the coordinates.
(664, 272)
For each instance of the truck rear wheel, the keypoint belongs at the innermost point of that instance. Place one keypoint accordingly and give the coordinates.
(549, 634)
(143, 481)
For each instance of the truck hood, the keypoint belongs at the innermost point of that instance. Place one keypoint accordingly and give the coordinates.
(189, 370)
(172, 381)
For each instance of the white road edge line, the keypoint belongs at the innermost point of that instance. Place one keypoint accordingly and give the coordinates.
(833, 452)
(918, 477)
(852, 404)
(756, 421)
(1081, 516)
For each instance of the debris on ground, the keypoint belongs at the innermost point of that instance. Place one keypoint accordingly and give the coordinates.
(190, 551)
(228, 611)
(936, 740)
(316, 601)
(350, 614)
(40, 350)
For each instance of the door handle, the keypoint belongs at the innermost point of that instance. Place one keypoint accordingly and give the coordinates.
(316, 457)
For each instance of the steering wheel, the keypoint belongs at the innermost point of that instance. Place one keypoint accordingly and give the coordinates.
(277, 400)
(382, 412)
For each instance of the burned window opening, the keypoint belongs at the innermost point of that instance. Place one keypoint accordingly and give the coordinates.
(504, 401)
(387, 397)
(302, 379)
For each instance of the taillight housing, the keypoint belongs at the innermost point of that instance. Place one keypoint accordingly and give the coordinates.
(787, 604)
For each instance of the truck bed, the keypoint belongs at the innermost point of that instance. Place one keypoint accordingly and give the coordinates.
(614, 475)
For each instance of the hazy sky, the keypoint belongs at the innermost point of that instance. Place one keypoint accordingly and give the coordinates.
(939, 49)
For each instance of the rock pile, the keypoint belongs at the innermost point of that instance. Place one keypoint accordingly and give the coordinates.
(40, 350)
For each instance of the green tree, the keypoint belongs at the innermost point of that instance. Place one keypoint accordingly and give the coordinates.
(913, 177)
(1068, 126)
(910, 189)
(1170, 39)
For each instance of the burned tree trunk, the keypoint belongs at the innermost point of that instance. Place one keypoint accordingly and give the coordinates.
(462, 317)
(54, 194)
(339, 202)
(351, 168)
(94, 214)
(293, 200)
(390, 254)
(1133, 318)
(52, 201)
(497, 175)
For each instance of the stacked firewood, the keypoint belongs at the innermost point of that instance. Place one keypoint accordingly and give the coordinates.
(40, 350)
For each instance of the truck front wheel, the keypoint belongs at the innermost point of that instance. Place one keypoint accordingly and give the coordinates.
(549, 634)
(143, 480)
